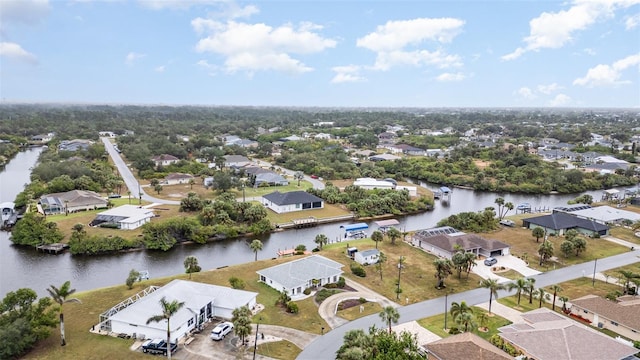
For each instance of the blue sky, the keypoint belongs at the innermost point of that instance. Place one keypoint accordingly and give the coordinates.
(322, 53)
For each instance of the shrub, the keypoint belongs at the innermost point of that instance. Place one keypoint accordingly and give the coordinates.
(358, 270)
(362, 300)
(301, 248)
(323, 294)
(307, 291)
(341, 282)
(236, 283)
(331, 286)
(292, 307)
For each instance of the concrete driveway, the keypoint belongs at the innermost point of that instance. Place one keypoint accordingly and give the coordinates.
(509, 261)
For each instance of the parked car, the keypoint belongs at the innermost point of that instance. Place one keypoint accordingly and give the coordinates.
(314, 176)
(115, 196)
(490, 261)
(157, 346)
(221, 330)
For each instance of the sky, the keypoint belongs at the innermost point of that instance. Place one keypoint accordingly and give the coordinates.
(322, 53)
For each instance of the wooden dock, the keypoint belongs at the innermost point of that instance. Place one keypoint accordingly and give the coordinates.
(305, 222)
(54, 249)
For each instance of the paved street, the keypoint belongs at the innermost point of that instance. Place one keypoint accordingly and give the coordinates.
(325, 347)
(129, 179)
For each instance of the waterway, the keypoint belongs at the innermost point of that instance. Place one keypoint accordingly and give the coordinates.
(24, 267)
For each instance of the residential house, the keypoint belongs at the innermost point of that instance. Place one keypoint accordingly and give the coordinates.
(126, 217)
(367, 257)
(71, 201)
(246, 143)
(74, 145)
(386, 138)
(295, 276)
(292, 138)
(606, 214)
(384, 157)
(109, 134)
(236, 161)
(371, 183)
(468, 346)
(202, 303)
(322, 136)
(622, 316)
(261, 177)
(43, 138)
(406, 149)
(445, 241)
(559, 222)
(547, 335)
(177, 178)
(292, 201)
(164, 160)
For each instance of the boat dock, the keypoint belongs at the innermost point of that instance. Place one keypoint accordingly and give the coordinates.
(54, 249)
(312, 221)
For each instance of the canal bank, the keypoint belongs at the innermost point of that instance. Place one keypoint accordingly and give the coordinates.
(25, 267)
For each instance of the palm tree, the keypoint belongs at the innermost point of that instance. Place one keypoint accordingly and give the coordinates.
(520, 285)
(556, 289)
(321, 239)
(546, 251)
(389, 314)
(470, 260)
(629, 277)
(458, 309)
(377, 236)
(382, 258)
(191, 265)
(564, 300)
(298, 175)
(61, 296)
(537, 233)
(168, 310)
(467, 320)
(531, 289)
(443, 269)
(393, 234)
(256, 245)
(541, 294)
(241, 321)
(493, 286)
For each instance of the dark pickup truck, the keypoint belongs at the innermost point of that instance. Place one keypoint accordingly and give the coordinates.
(157, 346)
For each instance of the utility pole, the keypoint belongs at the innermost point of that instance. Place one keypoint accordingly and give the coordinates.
(446, 298)
(399, 272)
(255, 343)
(593, 280)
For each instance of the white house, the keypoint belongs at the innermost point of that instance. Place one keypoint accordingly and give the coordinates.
(292, 201)
(371, 183)
(202, 303)
(177, 178)
(127, 217)
(164, 160)
(295, 276)
(367, 257)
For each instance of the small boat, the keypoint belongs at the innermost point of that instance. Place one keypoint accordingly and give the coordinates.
(524, 206)
(7, 209)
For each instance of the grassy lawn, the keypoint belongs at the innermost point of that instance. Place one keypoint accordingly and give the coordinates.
(353, 313)
(66, 223)
(615, 274)
(624, 234)
(284, 350)
(179, 191)
(417, 279)
(571, 289)
(509, 274)
(435, 324)
(522, 242)
(81, 317)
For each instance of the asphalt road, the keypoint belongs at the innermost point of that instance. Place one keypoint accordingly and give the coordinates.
(129, 179)
(325, 347)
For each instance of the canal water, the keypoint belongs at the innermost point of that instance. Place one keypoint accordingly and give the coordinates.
(24, 267)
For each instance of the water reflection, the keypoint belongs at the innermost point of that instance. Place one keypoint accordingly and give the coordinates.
(23, 267)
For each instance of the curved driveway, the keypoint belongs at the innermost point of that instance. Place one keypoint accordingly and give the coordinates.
(325, 347)
(132, 183)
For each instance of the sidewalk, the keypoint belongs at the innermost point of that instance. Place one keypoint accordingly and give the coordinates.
(501, 310)
(620, 242)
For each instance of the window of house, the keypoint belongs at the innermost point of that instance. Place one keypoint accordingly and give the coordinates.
(190, 322)
(614, 323)
(262, 278)
(585, 311)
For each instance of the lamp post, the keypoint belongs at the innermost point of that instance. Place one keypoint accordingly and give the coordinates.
(399, 272)
(255, 343)
(593, 280)
(446, 298)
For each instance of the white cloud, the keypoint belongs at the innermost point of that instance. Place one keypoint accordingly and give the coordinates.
(260, 47)
(526, 93)
(175, 4)
(632, 22)
(160, 68)
(30, 12)
(549, 89)
(133, 57)
(16, 52)
(553, 30)
(589, 51)
(398, 42)
(560, 100)
(447, 77)
(349, 73)
(608, 75)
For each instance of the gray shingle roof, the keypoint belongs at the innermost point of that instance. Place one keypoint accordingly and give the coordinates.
(291, 198)
(467, 242)
(560, 221)
(299, 272)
